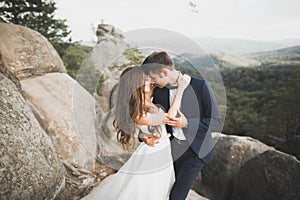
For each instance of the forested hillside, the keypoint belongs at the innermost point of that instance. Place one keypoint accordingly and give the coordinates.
(262, 101)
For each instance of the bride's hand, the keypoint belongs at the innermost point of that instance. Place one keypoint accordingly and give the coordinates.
(183, 81)
(150, 141)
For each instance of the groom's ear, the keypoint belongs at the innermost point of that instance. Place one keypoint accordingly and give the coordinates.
(165, 71)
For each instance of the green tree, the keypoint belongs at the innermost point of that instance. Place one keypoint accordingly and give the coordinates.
(263, 102)
(37, 15)
(73, 57)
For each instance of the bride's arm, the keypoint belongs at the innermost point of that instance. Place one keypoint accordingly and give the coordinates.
(183, 82)
(154, 119)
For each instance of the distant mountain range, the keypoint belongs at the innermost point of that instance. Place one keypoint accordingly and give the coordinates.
(179, 44)
(242, 46)
(281, 57)
(212, 60)
(225, 53)
(290, 51)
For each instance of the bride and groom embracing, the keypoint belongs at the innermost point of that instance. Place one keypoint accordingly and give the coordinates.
(172, 115)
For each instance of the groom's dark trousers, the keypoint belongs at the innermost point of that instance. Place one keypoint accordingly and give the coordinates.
(189, 156)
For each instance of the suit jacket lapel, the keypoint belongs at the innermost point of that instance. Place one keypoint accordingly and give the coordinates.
(190, 106)
(163, 99)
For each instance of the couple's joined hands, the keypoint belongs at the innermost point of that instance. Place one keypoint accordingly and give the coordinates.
(150, 140)
(178, 122)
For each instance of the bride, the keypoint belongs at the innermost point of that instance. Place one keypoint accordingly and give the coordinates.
(148, 174)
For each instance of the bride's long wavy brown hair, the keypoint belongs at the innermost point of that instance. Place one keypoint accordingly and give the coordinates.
(129, 104)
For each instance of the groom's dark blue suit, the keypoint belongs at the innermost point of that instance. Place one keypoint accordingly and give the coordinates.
(201, 110)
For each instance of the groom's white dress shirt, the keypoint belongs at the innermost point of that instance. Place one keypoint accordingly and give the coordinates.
(177, 132)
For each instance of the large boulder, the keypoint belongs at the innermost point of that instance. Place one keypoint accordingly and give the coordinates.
(108, 32)
(9, 74)
(231, 152)
(111, 152)
(108, 59)
(270, 175)
(26, 52)
(29, 164)
(66, 111)
(192, 195)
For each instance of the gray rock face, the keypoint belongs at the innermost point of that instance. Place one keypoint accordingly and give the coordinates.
(111, 153)
(192, 195)
(270, 175)
(107, 31)
(231, 152)
(67, 113)
(29, 165)
(26, 52)
(108, 58)
(8, 74)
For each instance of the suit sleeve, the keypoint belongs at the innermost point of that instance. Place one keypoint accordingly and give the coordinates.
(211, 117)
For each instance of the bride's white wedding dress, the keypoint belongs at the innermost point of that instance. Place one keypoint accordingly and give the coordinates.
(147, 175)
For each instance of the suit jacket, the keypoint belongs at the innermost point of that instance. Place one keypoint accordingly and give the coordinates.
(200, 107)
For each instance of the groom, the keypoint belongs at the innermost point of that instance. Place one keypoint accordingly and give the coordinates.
(191, 141)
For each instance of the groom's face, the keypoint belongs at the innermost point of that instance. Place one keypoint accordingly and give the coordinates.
(160, 79)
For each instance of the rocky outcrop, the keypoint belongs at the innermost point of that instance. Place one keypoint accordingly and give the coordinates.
(66, 111)
(29, 165)
(27, 53)
(270, 175)
(62, 107)
(108, 59)
(231, 153)
(8, 74)
(108, 32)
(79, 181)
(111, 153)
(192, 195)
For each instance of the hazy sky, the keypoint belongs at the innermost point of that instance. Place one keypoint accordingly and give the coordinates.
(245, 19)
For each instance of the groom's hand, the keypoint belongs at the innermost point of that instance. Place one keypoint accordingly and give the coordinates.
(178, 122)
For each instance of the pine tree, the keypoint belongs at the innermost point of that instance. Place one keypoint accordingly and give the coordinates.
(37, 15)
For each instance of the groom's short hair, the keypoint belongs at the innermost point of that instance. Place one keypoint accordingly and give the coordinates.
(156, 61)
